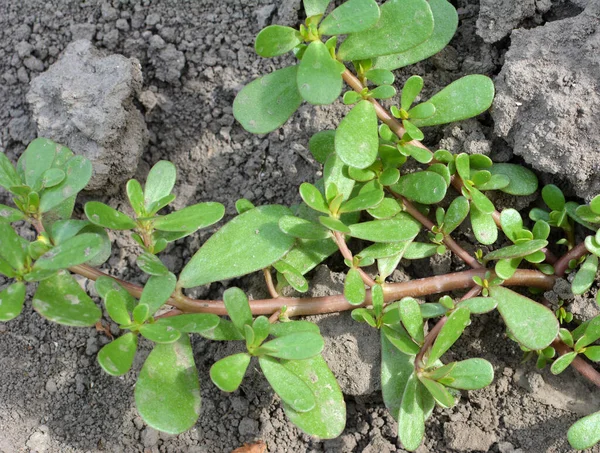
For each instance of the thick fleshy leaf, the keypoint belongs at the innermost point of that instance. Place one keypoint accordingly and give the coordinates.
(167, 392)
(321, 145)
(384, 92)
(553, 197)
(480, 305)
(363, 201)
(443, 397)
(400, 339)
(419, 250)
(292, 275)
(481, 202)
(191, 218)
(516, 251)
(470, 374)
(107, 217)
(12, 247)
(582, 214)
(451, 331)
(300, 228)
(533, 325)
(432, 310)
(78, 172)
(151, 264)
(290, 388)
(159, 183)
(40, 155)
(592, 245)
(117, 356)
(352, 16)
(396, 367)
(281, 329)
(411, 317)
(191, 323)
(445, 20)
(319, 76)
(466, 97)
(104, 285)
(387, 209)
(403, 24)
(157, 291)
(561, 364)
(116, 306)
(224, 331)
(249, 242)
(585, 275)
(484, 227)
(328, 418)
(411, 89)
(228, 373)
(382, 250)
(276, 40)
(159, 333)
(295, 346)
(8, 214)
(60, 299)
(512, 223)
(592, 353)
(380, 76)
(585, 433)
(411, 421)
(354, 287)
(424, 187)
(238, 308)
(315, 7)
(418, 153)
(336, 172)
(522, 180)
(135, 194)
(72, 252)
(356, 138)
(398, 229)
(457, 212)
(12, 299)
(313, 197)
(8, 174)
(267, 102)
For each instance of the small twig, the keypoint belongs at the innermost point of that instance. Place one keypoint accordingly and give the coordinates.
(275, 316)
(575, 253)
(550, 257)
(347, 254)
(269, 280)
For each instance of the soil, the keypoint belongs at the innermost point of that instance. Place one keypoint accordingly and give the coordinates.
(195, 56)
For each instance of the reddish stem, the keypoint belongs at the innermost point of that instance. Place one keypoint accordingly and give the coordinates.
(347, 254)
(575, 253)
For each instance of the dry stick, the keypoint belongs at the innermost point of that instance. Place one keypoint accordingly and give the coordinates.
(575, 253)
(347, 254)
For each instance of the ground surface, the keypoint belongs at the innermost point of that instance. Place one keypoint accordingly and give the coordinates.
(53, 395)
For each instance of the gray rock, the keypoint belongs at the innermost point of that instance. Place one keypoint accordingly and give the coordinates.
(85, 102)
(39, 441)
(497, 18)
(248, 427)
(548, 99)
(149, 437)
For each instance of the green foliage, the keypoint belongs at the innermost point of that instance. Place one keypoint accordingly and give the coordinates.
(585, 433)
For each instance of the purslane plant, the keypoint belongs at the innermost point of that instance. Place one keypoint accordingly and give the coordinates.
(366, 193)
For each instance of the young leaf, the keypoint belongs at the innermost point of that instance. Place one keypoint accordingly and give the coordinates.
(592, 245)
(352, 16)
(445, 20)
(159, 183)
(78, 172)
(191, 323)
(191, 218)
(422, 110)
(397, 229)
(167, 392)
(319, 76)
(116, 306)
(443, 397)
(585, 433)
(420, 250)
(313, 197)
(533, 325)
(295, 346)
(411, 317)
(281, 329)
(387, 209)
(456, 214)
(151, 264)
(292, 275)
(71, 252)
(380, 76)
(11, 301)
(411, 421)
(8, 214)
(290, 388)
(429, 310)
(249, 242)
(363, 201)
(425, 187)
(561, 364)
(60, 299)
(107, 217)
(300, 228)
(334, 224)
(384, 92)
(484, 227)
(321, 145)
(516, 251)
(413, 131)
(522, 180)
(242, 205)
(592, 353)
(315, 7)
(400, 339)
(585, 275)
(159, 333)
(464, 98)
(328, 418)
(409, 21)
(410, 91)
(276, 40)
(354, 288)
(356, 138)
(157, 291)
(480, 305)
(237, 307)
(336, 173)
(396, 367)
(470, 374)
(553, 197)
(104, 285)
(228, 373)
(8, 174)
(135, 194)
(451, 331)
(267, 102)
(117, 356)
(12, 248)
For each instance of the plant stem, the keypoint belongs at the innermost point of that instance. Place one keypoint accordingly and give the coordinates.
(347, 254)
(574, 254)
(584, 368)
(269, 281)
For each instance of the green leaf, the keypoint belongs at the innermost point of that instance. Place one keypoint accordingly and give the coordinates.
(413, 131)
(313, 197)
(60, 299)
(167, 392)
(159, 183)
(470, 374)
(438, 391)
(224, 331)
(412, 88)
(482, 202)
(585, 433)
(553, 197)
(116, 306)
(516, 251)
(480, 305)
(78, 172)
(399, 337)
(380, 76)
(592, 353)
(522, 180)
(411, 421)
(321, 145)
(281, 329)
(276, 40)
(159, 333)
(237, 307)
(403, 24)
(363, 201)
(292, 275)
(157, 291)
(52, 177)
(464, 98)
(290, 388)
(191, 323)
(104, 285)
(352, 16)
(11, 301)
(319, 76)
(328, 418)
(590, 334)
(249, 242)
(419, 250)
(117, 356)
(295, 346)
(592, 245)
(585, 275)
(351, 97)
(432, 310)
(484, 227)
(40, 155)
(533, 325)
(336, 173)
(242, 205)
(387, 209)
(382, 250)
(451, 331)
(389, 177)
(72, 252)
(356, 138)
(315, 7)
(354, 288)
(457, 212)
(445, 20)
(191, 218)
(561, 364)
(411, 317)
(583, 215)
(107, 217)
(228, 373)
(511, 223)
(267, 102)
(135, 194)
(8, 214)
(8, 174)
(159, 204)
(12, 247)
(151, 264)
(383, 92)
(334, 224)
(423, 110)
(398, 229)
(300, 228)
(141, 313)
(396, 367)
(496, 182)
(425, 187)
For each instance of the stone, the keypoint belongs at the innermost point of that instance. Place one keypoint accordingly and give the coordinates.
(85, 102)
